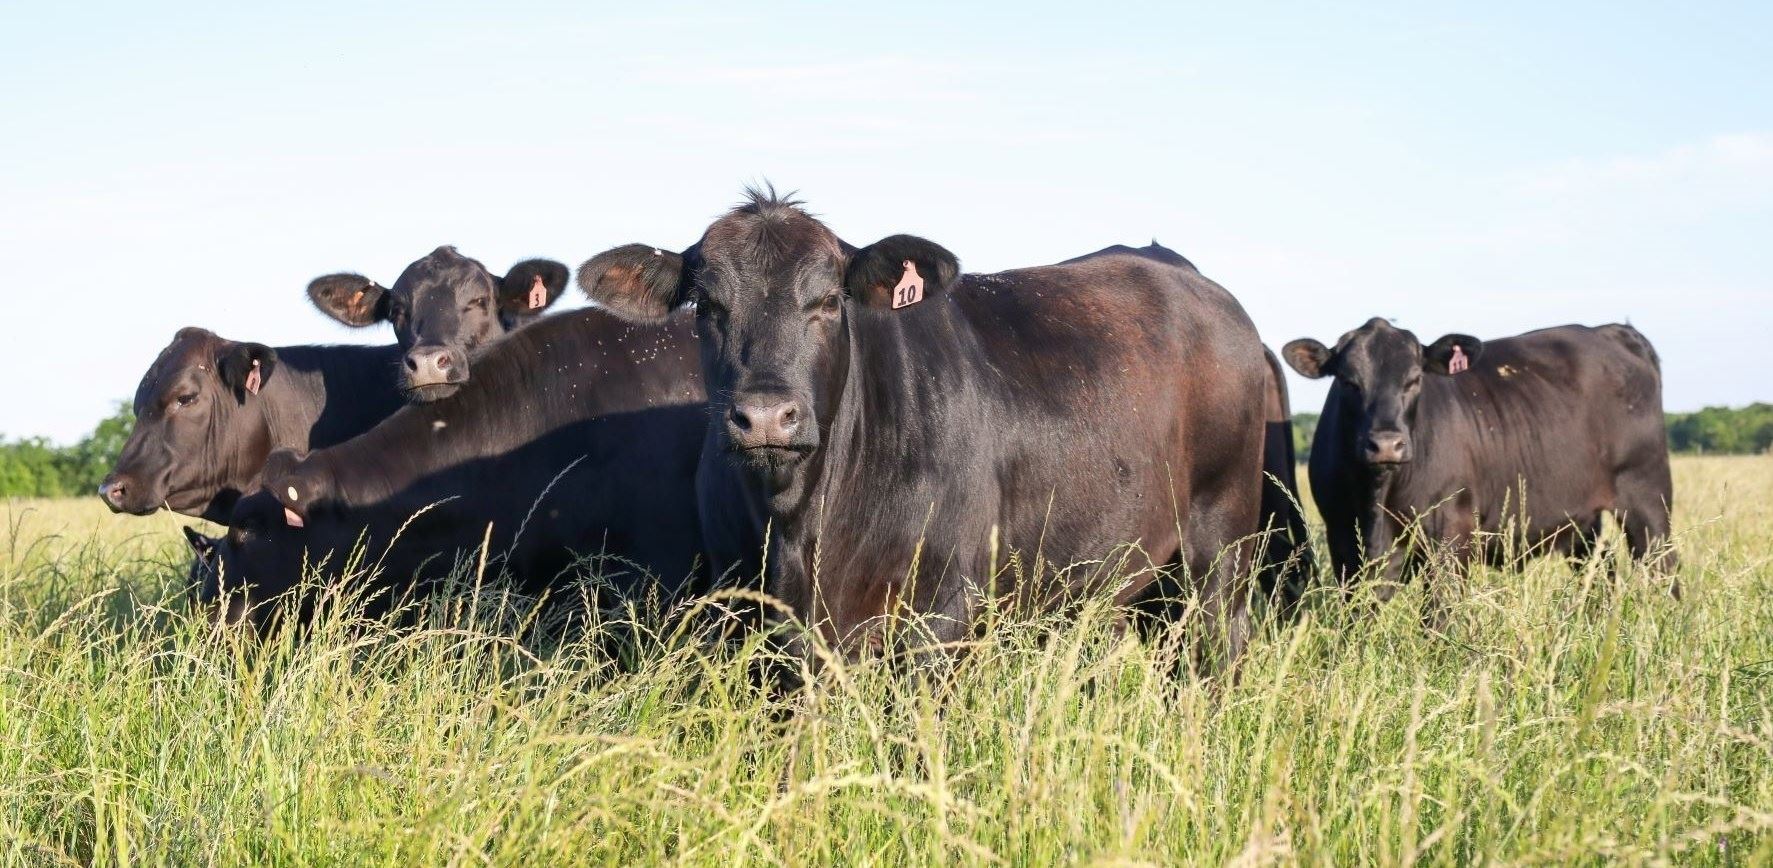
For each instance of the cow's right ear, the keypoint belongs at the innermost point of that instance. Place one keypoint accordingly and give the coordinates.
(294, 485)
(245, 368)
(636, 282)
(1308, 356)
(352, 299)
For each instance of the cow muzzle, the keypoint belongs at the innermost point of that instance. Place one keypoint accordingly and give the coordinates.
(125, 494)
(431, 367)
(769, 423)
(1386, 448)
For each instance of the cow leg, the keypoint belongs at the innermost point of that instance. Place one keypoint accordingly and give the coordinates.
(1642, 508)
(1345, 552)
(1220, 552)
(1454, 534)
(1386, 556)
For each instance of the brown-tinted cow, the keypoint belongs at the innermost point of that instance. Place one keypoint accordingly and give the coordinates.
(210, 410)
(895, 416)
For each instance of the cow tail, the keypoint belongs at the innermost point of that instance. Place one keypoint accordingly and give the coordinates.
(1287, 565)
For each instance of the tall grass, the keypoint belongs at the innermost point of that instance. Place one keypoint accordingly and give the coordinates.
(1560, 715)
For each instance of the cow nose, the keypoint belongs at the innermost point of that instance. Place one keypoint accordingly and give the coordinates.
(765, 421)
(113, 490)
(428, 366)
(1388, 447)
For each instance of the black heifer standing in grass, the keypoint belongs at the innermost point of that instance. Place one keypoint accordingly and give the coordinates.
(577, 437)
(444, 308)
(895, 417)
(209, 411)
(1539, 434)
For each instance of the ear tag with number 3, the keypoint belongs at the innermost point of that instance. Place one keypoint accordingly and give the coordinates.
(910, 288)
(538, 294)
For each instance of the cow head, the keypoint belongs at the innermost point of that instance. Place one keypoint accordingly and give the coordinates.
(443, 308)
(774, 291)
(197, 426)
(240, 577)
(1378, 371)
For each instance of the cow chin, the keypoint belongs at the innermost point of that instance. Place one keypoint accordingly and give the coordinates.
(771, 460)
(432, 392)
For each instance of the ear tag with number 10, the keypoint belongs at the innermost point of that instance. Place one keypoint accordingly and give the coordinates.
(910, 288)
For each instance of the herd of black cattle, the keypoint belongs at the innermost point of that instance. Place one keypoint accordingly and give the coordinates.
(866, 432)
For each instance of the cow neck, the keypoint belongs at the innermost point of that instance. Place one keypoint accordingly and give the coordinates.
(881, 419)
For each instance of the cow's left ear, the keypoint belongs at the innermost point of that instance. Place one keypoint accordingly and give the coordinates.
(1452, 354)
(201, 546)
(245, 368)
(530, 288)
(900, 271)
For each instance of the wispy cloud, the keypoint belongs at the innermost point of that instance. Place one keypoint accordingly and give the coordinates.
(1733, 167)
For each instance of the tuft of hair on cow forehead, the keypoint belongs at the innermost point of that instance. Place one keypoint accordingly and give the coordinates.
(770, 228)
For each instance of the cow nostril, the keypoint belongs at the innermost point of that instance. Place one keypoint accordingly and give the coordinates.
(788, 417)
(740, 419)
(443, 363)
(412, 364)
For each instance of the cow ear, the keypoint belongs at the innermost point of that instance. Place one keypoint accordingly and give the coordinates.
(352, 299)
(900, 271)
(201, 546)
(1452, 354)
(1308, 356)
(530, 288)
(295, 485)
(636, 282)
(245, 368)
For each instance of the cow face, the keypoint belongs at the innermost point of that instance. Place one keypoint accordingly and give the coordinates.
(443, 308)
(1378, 370)
(774, 292)
(194, 425)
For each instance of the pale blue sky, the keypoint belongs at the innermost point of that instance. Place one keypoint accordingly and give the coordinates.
(1487, 170)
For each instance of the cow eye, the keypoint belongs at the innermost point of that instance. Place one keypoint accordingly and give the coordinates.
(475, 304)
(831, 303)
(186, 400)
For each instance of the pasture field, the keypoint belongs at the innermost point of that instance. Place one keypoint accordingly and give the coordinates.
(1562, 715)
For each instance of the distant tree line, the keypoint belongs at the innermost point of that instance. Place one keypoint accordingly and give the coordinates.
(34, 467)
(1711, 431)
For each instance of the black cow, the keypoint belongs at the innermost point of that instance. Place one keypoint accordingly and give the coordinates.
(578, 436)
(1287, 565)
(895, 417)
(210, 410)
(1537, 434)
(444, 308)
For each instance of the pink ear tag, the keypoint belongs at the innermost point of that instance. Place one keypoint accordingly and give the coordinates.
(1458, 362)
(291, 518)
(538, 294)
(910, 288)
(255, 378)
